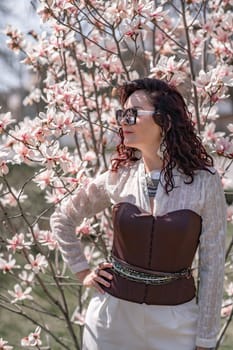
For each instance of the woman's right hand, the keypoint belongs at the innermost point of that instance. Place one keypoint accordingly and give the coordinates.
(97, 277)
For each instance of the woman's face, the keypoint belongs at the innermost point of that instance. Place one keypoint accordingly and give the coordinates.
(145, 134)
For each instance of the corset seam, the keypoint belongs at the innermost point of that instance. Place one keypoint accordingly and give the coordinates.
(150, 255)
(151, 242)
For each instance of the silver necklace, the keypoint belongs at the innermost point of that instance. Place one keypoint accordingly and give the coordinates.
(152, 182)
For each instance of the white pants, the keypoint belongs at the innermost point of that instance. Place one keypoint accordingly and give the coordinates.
(115, 324)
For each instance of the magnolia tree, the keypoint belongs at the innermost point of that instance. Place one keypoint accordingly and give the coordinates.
(87, 49)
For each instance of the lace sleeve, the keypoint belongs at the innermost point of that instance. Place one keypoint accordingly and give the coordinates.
(83, 204)
(212, 253)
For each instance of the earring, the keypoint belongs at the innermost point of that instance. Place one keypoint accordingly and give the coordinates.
(161, 149)
(137, 153)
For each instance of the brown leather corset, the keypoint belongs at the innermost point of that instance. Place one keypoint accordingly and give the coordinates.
(165, 243)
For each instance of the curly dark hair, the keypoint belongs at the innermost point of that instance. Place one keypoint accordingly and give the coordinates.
(182, 148)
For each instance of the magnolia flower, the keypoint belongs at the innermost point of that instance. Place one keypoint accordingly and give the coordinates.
(26, 278)
(10, 199)
(230, 127)
(224, 147)
(158, 15)
(5, 120)
(51, 154)
(16, 40)
(78, 317)
(230, 214)
(4, 346)
(47, 238)
(23, 154)
(36, 264)
(173, 71)
(227, 183)
(209, 134)
(8, 265)
(84, 229)
(4, 170)
(17, 242)
(34, 96)
(44, 178)
(55, 196)
(90, 156)
(212, 84)
(33, 339)
(18, 294)
(227, 310)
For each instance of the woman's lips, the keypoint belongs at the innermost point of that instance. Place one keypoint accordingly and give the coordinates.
(125, 132)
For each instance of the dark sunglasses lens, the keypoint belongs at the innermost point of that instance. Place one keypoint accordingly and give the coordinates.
(129, 115)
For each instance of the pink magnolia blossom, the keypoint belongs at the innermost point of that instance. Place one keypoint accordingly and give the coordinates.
(17, 243)
(26, 278)
(118, 10)
(10, 199)
(53, 155)
(19, 294)
(55, 196)
(44, 12)
(84, 229)
(16, 41)
(63, 123)
(47, 238)
(64, 5)
(230, 127)
(34, 96)
(226, 310)
(37, 264)
(23, 154)
(4, 170)
(4, 346)
(90, 156)
(224, 147)
(230, 214)
(209, 134)
(212, 84)
(222, 35)
(44, 178)
(159, 14)
(33, 339)
(170, 69)
(5, 120)
(8, 265)
(227, 183)
(79, 317)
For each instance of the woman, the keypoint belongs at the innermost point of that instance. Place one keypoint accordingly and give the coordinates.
(167, 200)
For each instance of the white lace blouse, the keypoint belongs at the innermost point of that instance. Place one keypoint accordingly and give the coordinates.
(203, 196)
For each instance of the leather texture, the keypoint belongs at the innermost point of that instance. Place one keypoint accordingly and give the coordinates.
(164, 243)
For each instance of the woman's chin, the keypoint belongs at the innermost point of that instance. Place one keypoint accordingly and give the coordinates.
(129, 144)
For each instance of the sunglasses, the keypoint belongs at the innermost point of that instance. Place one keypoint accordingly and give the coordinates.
(129, 116)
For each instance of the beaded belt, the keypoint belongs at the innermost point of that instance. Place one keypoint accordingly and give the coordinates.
(137, 274)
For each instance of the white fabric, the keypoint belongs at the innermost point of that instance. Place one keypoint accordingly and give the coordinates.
(204, 196)
(113, 324)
